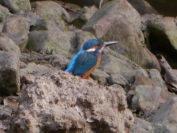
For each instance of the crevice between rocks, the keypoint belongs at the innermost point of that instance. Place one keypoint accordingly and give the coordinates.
(160, 44)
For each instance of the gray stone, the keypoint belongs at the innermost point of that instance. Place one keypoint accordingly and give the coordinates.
(7, 45)
(50, 42)
(61, 102)
(54, 12)
(4, 13)
(165, 118)
(35, 69)
(84, 16)
(141, 126)
(146, 99)
(58, 61)
(100, 76)
(9, 73)
(24, 5)
(156, 76)
(10, 5)
(114, 63)
(130, 75)
(16, 5)
(17, 28)
(42, 24)
(117, 79)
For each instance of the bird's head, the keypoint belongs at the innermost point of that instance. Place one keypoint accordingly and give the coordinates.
(93, 45)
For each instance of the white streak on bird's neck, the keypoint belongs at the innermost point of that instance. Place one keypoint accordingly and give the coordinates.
(90, 50)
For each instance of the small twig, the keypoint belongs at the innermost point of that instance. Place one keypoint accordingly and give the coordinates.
(67, 8)
(101, 1)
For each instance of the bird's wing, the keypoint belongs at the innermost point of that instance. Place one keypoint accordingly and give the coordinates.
(85, 62)
(73, 61)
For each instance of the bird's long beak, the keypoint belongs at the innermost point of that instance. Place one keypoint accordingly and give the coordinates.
(105, 44)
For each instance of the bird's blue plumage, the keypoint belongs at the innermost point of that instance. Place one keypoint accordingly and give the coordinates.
(83, 61)
(91, 43)
(73, 61)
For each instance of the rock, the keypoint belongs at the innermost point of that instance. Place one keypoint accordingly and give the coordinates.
(20, 38)
(10, 5)
(119, 21)
(114, 63)
(100, 76)
(165, 117)
(17, 28)
(4, 13)
(81, 2)
(170, 74)
(141, 126)
(130, 74)
(32, 18)
(32, 57)
(16, 24)
(16, 5)
(54, 12)
(117, 79)
(35, 69)
(9, 64)
(7, 45)
(24, 5)
(9, 73)
(156, 76)
(146, 100)
(84, 16)
(43, 24)
(50, 42)
(57, 61)
(163, 36)
(143, 7)
(61, 102)
(142, 80)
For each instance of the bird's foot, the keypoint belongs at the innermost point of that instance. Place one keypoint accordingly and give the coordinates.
(85, 76)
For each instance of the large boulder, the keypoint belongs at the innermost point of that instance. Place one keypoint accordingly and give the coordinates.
(50, 42)
(9, 64)
(146, 100)
(23, 4)
(10, 5)
(61, 102)
(166, 117)
(141, 126)
(17, 28)
(4, 13)
(119, 21)
(9, 73)
(54, 12)
(16, 5)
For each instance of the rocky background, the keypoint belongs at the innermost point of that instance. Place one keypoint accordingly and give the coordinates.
(134, 89)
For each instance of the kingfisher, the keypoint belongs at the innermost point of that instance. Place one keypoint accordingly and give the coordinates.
(88, 58)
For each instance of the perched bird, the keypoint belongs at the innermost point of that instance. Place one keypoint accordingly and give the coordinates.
(88, 58)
